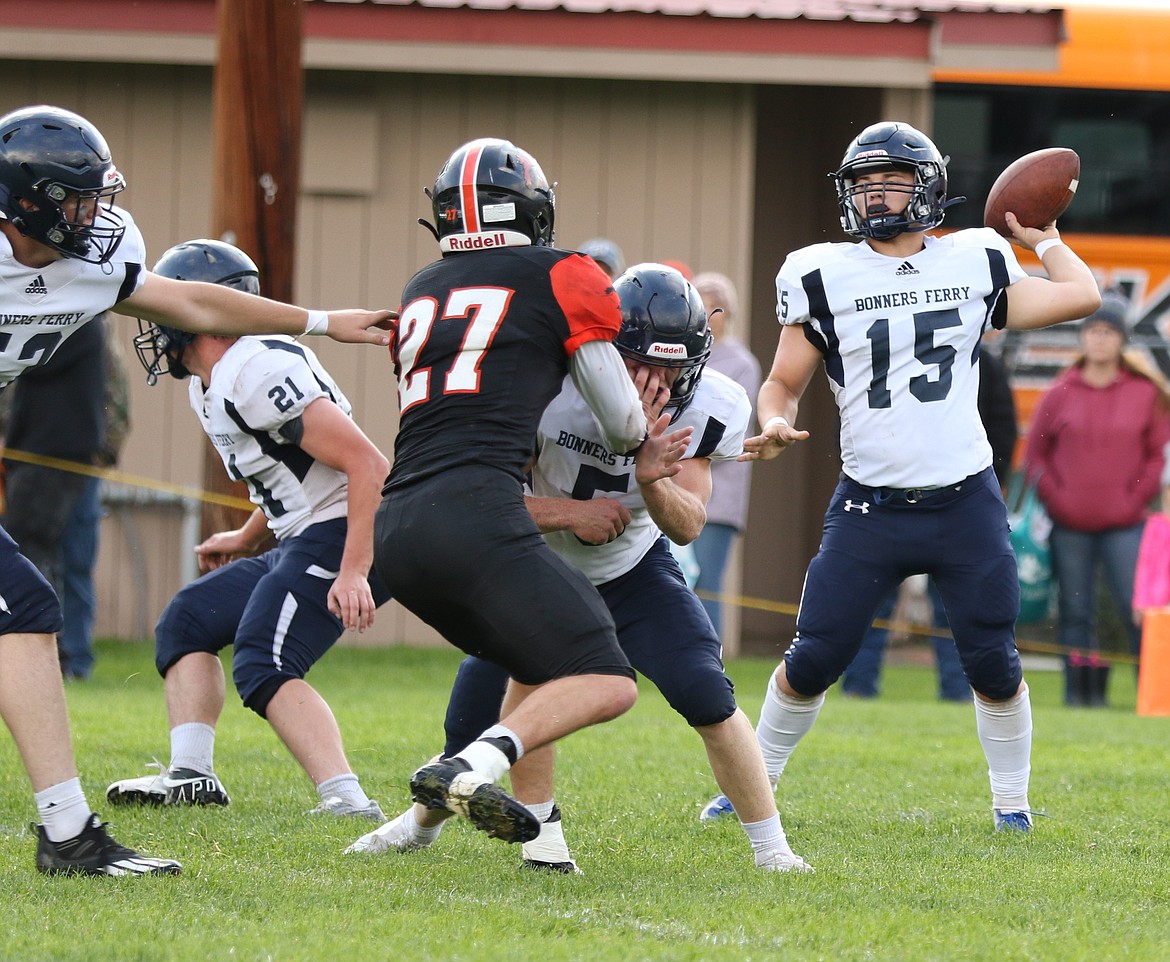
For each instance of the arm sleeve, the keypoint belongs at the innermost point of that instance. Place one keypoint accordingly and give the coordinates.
(997, 409)
(600, 375)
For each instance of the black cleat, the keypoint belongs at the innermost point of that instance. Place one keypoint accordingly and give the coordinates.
(93, 852)
(179, 786)
(450, 785)
(185, 786)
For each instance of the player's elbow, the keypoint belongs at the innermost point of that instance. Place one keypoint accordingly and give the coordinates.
(1092, 301)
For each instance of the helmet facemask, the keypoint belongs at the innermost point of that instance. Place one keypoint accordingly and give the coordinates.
(55, 221)
(160, 350)
(923, 210)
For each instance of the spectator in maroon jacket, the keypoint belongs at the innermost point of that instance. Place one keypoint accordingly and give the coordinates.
(1095, 450)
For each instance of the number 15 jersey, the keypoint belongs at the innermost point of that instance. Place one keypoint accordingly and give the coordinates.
(900, 339)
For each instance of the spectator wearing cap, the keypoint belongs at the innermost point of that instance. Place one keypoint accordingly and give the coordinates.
(1095, 452)
(605, 254)
(730, 480)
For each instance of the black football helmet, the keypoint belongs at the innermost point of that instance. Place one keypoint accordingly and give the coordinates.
(893, 146)
(664, 323)
(56, 160)
(491, 193)
(160, 348)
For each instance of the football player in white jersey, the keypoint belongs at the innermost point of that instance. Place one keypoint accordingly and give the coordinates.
(896, 321)
(66, 255)
(610, 515)
(282, 425)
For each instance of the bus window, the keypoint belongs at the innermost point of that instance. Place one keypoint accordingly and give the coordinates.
(1122, 137)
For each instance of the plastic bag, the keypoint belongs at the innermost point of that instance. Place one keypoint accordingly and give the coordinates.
(1030, 528)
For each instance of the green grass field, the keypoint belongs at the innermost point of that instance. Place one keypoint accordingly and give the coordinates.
(887, 799)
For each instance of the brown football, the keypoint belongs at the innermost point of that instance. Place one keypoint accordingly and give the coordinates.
(1037, 188)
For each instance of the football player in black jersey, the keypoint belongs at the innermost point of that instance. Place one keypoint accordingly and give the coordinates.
(603, 514)
(486, 335)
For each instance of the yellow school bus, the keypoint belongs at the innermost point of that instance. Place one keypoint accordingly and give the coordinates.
(1108, 99)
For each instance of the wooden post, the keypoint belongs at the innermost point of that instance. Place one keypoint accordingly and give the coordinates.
(258, 97)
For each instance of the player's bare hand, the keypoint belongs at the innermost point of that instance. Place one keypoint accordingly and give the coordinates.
(351, 600)
(361, 327)
(652, 389)
(660, 453)
(599, 520)
(222, 548)
(770, 442)
(1029, 237)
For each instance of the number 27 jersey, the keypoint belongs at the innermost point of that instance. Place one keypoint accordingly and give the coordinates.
(484, 340)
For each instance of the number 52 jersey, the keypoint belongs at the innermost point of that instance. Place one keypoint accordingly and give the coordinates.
(573, 462)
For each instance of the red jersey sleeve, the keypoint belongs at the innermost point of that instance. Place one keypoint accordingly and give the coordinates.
(588, 300)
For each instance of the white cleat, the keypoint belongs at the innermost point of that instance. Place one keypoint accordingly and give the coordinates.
(549, 852)
(342, 808)
(394, 836)
(776, 860)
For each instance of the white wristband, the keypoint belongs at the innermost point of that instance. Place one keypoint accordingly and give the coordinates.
(776, 420)
(1046, 245)
(318, 322)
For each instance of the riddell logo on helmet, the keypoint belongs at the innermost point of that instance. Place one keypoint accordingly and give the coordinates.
(667, 350)
(475, 242)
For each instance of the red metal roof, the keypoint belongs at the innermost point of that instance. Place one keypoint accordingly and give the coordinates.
(883, 11)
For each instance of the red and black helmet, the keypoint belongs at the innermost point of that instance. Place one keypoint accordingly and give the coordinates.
(490, 193)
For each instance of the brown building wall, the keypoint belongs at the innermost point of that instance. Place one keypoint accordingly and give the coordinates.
(665, 169)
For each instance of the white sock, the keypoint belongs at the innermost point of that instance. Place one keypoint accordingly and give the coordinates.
(784, 720)
(193, 746)
(415, 831)
(345, 786)
(503, 731)
(542, 810)
(63, 810)
(1005, 732)
(486, 759)
(767, 835)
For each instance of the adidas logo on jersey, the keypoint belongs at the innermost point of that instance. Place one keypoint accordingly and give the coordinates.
(906, 268)
(37, 286)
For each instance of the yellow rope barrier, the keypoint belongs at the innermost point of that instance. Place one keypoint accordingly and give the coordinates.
(740, 601)
(134, 480)
(1029, 646)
